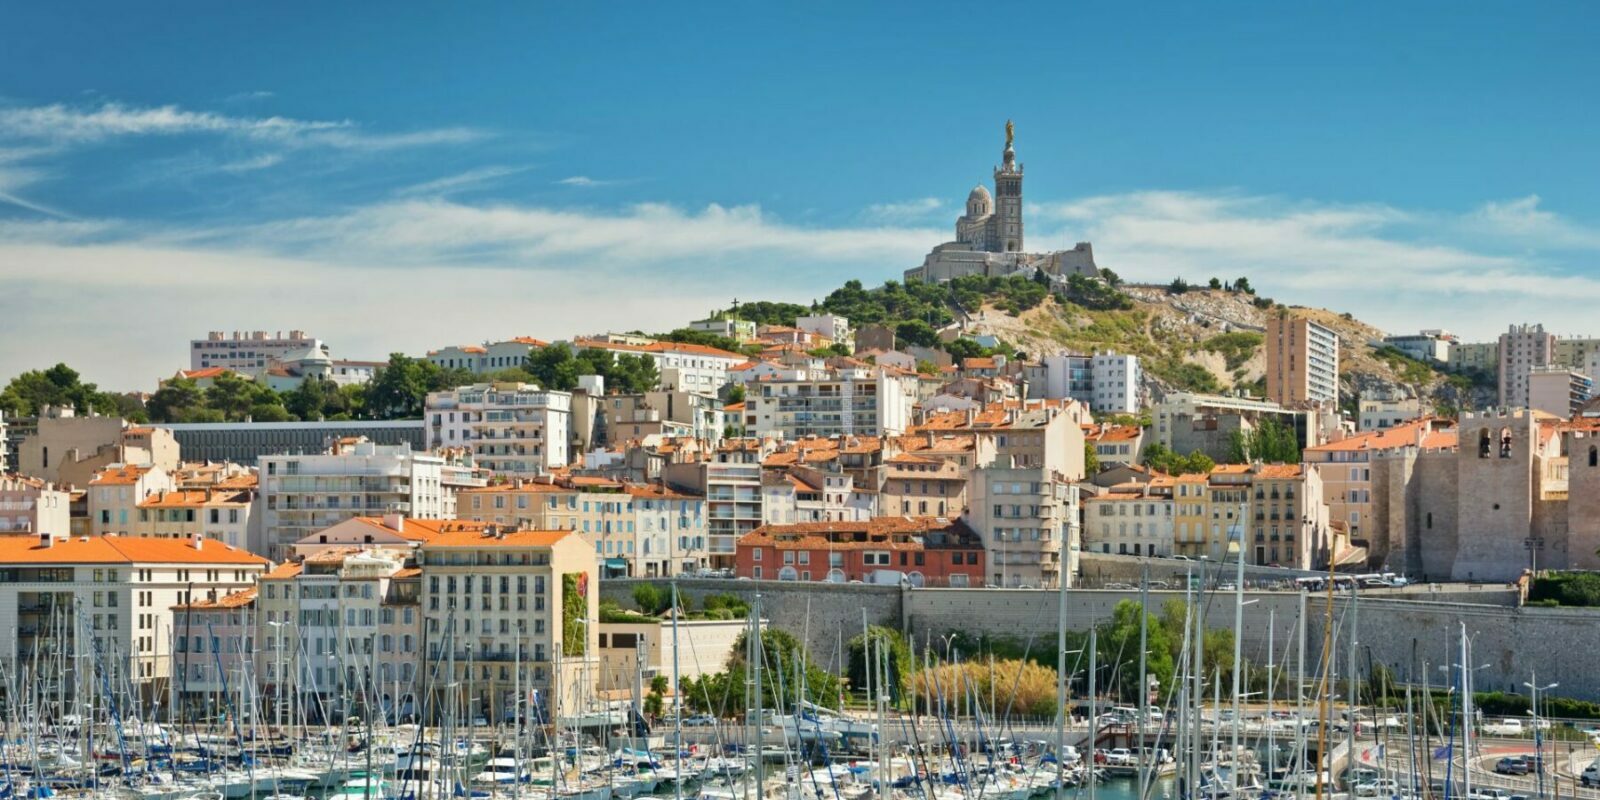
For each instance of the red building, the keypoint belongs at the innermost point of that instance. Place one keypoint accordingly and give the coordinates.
(926, 551)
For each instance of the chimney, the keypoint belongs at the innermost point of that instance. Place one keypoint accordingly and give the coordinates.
(198, 542)
(46, 540)
(395, 522)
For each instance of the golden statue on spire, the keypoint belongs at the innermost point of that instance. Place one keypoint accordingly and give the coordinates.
(1011, 131)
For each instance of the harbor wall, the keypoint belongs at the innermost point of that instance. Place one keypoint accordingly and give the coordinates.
(1407, 635)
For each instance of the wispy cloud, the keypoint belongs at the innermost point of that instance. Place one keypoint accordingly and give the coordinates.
(61, 124)
(1525, 218)
(251, 164)
(450, 184)
(584, 181)
(248, 97)
(920, 210)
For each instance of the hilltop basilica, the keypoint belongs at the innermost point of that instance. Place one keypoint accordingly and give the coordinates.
(989, 236)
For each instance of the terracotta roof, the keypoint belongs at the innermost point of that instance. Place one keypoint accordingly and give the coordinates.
(283, 572)
(979, 363)
(1402, 435)
(907, 458)
(238, 599)
(200, 374)
(1279, 471)
(427, 530)
(514, 539)
(121, 550)
(407, 572)
(193, 498)
(1117, 433)
(734, 407)
(119, 476)
(529, 340)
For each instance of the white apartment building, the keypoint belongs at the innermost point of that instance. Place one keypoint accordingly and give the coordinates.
(1379, 412)
(1431, 346)
(495, 602)
(684, 367)
(250, 353)
(509, 428)
(222, 515)
(865, 402)
(832, 326)
(66, 595)
(1522, 347)
(487, 357)
(1028, 519)
(1107, 382)
(33, 506)
(115, 493)
(736, 329)
(303, 494)
(808, 495)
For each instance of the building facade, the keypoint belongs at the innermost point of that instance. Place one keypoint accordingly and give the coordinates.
(1522, 348)
(303, 494)
(919, 551)
(1302, 362)
(868, 402)
(1558, 390)
(1027, 518)
(249, 353)
(509, 428)
(33, 506)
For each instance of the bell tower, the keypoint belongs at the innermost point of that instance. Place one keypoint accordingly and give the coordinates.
(1008, 198)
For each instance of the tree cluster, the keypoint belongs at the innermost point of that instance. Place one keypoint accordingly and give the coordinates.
(63, 387)
(1158, 456)
(1271, 442)
(558, 367)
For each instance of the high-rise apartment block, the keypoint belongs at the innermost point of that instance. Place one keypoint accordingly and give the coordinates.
(1302, 362)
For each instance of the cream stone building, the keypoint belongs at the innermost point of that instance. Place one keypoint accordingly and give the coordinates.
(509, 428)
(33, 506)
(1302, 361)
(1028, 520)
(1131, 519)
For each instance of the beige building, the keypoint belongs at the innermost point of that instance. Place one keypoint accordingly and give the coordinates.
(637, 530)
(868, 402)
(1134, 519)
(1279, 509)
(1558, 390)
(1381, 411)
(31, 505)
(1522, 348)
(68, 450)
(509, 428)
(220, 515)
(512, 610)
(116, 492)
(923, 486)
(1475, 356)
(1302, 362)
(631, 653)
(1028, 520)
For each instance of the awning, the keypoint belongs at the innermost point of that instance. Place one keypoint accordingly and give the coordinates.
(617, 563)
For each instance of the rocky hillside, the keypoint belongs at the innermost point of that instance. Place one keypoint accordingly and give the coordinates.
(1210, 340)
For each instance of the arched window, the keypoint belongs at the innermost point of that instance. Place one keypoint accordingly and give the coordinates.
(1505, 442)
(1594, 456)
(1483, 443)
(788, 574)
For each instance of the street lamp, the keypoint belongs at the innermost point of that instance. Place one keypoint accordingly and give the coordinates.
(1538, 739)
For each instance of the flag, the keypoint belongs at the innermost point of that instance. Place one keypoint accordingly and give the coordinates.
(1443, 752)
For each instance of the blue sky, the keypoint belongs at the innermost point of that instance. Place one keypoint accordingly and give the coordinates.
(430, 175)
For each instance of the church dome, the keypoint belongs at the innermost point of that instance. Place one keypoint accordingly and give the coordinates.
(979, 202)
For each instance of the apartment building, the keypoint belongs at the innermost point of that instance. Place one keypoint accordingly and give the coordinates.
(1027, 518)
(220, 515)
(1344, 468)
(303, 494)
(1475, 356)
(805, 494)
(1134, 519)
(1558, 390)
(1107, 382)
(868, 402)
(730, 481)
(487, 358)
(1379, 411)
(920, 551)
(832, 327)
(923, 486)
(509, 610)
(1116, 445)
(1429, 346)
(115, 493)
(683, 367)
(611, 420)
(68, 450)
(33, 506)
(636, 530)
(112, 594)
(1302, 362)
(738, 330)
(1522, 348)
(250, 352)
(1279, 510)
(213, 649)
(509, 428)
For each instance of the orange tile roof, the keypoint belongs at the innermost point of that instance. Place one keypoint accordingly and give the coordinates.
(514, 539)
(119, 476)
(200, 374)
(193, 498)
(1118, 433)
(530, 341)
(238, 599)
(283, 572)
(878, 533)
(1441, 440)
(427, 530)
(407, 572)
(1402, 435)
(978, 363)
(121, 550)
(734, 407)
(1279, 471)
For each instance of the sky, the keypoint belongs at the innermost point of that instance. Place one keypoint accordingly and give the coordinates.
(412, 175)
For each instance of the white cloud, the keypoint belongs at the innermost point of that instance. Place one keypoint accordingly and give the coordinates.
(919, 210)
(251, 164)
(63, 124)
(584, 182)
(245, 97)
(1524, 218)
(461, 181)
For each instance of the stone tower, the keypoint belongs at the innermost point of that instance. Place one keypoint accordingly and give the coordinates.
(1008, 198)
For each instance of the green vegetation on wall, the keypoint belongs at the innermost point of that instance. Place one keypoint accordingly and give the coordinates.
(574, 613)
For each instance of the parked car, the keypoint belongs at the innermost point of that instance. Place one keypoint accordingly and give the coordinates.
(699, 721)
(1488, 793)
(1120, 757)
(1591, 774)
(1511, 765)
